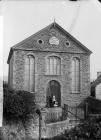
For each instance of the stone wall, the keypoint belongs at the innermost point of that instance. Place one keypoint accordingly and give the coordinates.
(42, 79)
(11, 72)
(54, 129)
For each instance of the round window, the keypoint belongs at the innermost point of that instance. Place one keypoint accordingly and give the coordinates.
(40, 41)
(67, 43)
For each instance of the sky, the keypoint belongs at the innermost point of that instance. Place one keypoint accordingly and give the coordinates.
(20, 19)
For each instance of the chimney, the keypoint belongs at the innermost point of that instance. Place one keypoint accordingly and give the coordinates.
(98, 73)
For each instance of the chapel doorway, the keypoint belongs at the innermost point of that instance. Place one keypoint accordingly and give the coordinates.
(53, 93)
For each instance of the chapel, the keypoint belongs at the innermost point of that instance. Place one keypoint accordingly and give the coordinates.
(53, 65)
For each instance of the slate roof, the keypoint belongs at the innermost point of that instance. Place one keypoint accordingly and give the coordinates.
(54, 24)
(96, 82)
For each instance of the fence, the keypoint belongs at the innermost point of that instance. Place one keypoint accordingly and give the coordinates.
(73, 112)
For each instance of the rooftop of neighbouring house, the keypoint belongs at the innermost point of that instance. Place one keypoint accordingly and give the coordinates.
(97, 81)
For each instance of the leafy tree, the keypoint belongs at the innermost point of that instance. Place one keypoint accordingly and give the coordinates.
(18, 104)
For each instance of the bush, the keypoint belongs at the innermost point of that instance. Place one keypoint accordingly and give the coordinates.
(17, 107)
(17, 104)
(12, 131)
(89, 130)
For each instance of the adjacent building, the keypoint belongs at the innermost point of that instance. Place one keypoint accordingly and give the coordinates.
(96, 87)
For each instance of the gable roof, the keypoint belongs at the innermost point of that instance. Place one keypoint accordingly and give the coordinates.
(96, 82)
(54, 24)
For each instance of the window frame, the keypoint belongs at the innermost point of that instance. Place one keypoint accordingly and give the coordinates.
(28, 68)
(55, 69)
(75, 79)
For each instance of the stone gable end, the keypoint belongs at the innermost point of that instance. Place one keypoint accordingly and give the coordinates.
(52, 38)
(51, 41)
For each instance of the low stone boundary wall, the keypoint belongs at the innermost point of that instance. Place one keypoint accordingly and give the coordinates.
(53, 129)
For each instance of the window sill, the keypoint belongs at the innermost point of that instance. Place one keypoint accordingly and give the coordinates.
(53, 74)
(75, 92)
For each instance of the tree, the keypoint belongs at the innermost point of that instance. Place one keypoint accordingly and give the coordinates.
(18, 104)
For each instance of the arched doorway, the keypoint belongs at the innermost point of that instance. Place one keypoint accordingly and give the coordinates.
(53, 89)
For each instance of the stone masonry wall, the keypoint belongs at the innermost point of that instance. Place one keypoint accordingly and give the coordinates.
(41, 79)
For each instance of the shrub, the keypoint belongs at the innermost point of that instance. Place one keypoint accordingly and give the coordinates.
(18, 104)
(88, 130)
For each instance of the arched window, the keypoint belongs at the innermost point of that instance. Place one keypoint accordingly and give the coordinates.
(30, 73)
(75, 75)
(53, 65)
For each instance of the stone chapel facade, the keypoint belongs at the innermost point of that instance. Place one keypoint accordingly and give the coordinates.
(51, 63)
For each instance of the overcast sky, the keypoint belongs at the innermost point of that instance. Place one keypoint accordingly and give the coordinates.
(82, 19)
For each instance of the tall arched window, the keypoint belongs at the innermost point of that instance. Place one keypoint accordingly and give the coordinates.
(75, 75)
(53, 65)
(30, 73)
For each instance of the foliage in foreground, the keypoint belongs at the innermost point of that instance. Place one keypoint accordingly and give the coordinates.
(17, 104)
(18, 107)
(89, 130)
